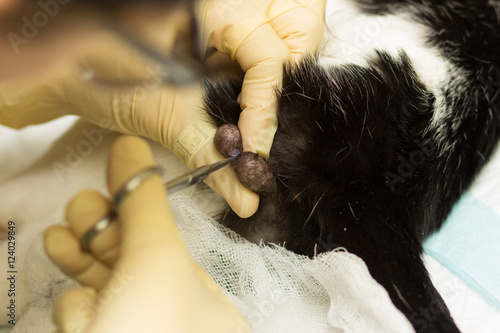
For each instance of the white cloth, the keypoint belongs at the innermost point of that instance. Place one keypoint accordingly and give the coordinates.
(276, 290)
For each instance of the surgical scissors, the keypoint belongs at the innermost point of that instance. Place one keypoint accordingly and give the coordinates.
(196, 176)
(184, 181)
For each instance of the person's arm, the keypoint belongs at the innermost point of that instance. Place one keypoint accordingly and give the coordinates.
(261, 35)
(170, 115)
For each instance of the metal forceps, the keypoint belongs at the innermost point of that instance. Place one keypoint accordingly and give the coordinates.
(196, 176)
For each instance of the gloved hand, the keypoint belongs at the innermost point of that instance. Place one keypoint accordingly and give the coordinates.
(138, 276)
(261, 35)
(169, 115)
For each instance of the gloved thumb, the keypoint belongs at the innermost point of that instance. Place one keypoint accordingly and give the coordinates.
(191, 138)
(242, 200)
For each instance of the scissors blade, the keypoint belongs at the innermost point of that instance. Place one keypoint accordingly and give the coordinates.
(196, 176)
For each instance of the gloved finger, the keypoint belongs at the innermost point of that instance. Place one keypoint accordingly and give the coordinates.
(145, 218)
(242, 201)
(261, 56)
(318, 6)
(190, 137)
(75, 309)
(224, 25)
(82, 213)
(63, 248)
(301, 29)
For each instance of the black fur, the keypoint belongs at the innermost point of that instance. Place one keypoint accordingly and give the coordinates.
(358, 164)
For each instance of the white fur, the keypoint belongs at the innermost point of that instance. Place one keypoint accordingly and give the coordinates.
(352, 37)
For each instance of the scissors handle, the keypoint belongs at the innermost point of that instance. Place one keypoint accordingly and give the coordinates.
(196, 176)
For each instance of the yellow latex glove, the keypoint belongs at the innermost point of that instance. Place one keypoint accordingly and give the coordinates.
(139, 277)
(170, 115)
(261, 35)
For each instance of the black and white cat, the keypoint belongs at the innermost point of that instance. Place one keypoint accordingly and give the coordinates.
(379, 136)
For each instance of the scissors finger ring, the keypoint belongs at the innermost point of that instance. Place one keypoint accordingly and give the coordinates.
(125, 190)
(134, 183)
(96, 229)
